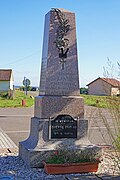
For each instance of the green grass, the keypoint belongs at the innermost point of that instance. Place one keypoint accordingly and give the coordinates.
(17, 101)
(98, 101)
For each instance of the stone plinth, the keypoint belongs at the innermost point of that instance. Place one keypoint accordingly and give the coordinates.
(51, 106)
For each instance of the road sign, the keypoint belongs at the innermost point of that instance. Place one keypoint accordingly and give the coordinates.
(26, 82)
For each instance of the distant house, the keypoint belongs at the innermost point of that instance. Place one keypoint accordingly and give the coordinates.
(104, 86)
(6, 80)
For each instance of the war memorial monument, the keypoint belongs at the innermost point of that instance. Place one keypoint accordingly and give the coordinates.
(59, 109)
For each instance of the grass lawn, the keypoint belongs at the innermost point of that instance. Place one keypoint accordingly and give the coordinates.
(96, 101)
(17, 101)
(99, 101)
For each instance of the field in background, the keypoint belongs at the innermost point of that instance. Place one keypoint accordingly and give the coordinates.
(17, 100)
(96, 101)
(99, 101)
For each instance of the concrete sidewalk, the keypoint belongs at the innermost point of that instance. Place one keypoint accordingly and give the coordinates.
(6, 144)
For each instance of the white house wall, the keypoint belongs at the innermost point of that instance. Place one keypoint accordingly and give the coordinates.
(11, 84)
(115, 91)
(99, 87)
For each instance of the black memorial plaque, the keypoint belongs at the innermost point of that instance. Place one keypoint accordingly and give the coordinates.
(63, 126)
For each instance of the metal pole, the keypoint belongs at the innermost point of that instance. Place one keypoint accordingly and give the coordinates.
(25, 85)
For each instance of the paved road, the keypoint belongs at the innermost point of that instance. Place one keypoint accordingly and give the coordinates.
(98, 134)
(16, 123)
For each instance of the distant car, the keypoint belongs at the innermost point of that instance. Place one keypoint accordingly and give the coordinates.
(33, 89)
(83, 91)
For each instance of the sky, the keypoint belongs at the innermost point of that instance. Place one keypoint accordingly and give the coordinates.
(21, 36)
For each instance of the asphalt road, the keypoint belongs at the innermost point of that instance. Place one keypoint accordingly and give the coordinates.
(16, 123)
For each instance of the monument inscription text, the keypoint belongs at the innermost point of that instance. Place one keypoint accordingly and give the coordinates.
(63, 126)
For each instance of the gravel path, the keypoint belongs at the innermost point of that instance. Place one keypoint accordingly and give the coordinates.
(13, 166)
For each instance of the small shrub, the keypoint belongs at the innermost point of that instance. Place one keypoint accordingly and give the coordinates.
(64, 155)
(4, 95)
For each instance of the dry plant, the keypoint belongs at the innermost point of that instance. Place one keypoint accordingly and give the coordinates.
(107, 120)
(113, 105)
(112, 123)
(111, 115)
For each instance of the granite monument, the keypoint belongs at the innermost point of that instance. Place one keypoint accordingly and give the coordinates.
(59, 109)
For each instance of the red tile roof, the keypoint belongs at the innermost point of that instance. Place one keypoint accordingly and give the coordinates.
(5, 74)
(113, 82)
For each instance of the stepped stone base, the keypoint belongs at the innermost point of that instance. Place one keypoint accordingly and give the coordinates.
(35, 149)
(34, 157)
